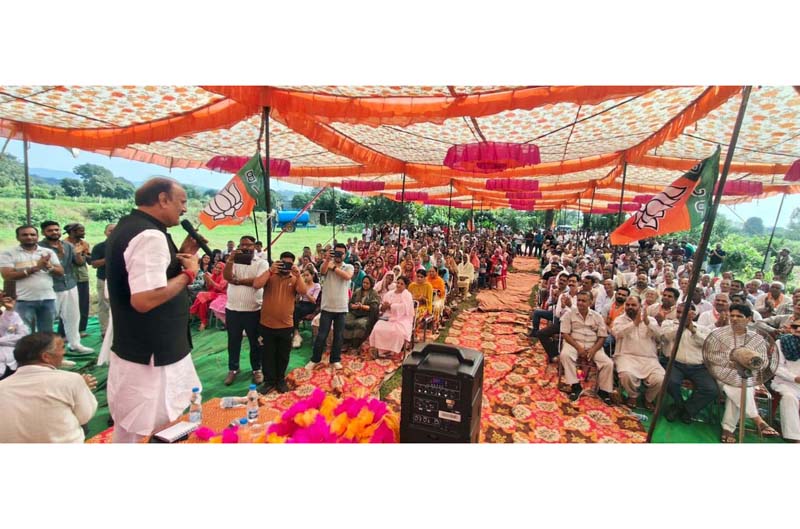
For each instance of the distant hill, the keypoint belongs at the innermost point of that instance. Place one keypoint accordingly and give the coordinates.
(50, 176)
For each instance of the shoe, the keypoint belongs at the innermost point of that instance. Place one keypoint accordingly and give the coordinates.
(337, 365)
(230, 378)
(606, 397)
(673, 413)
(84, 334)
(110, 421)
(67, 363)
(282, 387)
(258, 377)
(632, 402)
(575, 392)
(297, 341)
(266, 388)
(686, 417)
(311, 365)
(81, 349)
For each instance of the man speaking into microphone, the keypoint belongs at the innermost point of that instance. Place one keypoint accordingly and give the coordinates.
(151, 373)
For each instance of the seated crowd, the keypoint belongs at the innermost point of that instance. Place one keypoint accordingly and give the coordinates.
(619, 317)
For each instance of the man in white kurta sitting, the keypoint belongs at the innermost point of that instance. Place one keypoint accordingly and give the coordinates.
(636, 355)
(41, 403)
(583, 332)
(739, 316)
(466, 274)
(787, 382)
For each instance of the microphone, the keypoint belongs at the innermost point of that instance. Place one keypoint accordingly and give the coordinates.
(194, 235)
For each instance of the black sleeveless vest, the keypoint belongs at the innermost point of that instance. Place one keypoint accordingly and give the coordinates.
(162, 332)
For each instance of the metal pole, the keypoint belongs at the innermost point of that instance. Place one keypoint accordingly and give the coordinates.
(472, 213)
(700, 255)
(27, 183)
(268, 205)
(769, 245)
(333, 190)
(449, 206)
(619, 219)
(255, 225)
(402, 214)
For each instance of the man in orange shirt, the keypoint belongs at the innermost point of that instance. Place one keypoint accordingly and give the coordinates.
(281, 285)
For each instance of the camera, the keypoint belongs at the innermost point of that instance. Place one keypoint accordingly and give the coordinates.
(245, 258)
(286, 267)
(338, 254)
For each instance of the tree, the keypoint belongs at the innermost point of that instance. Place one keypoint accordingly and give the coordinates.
(73, 187)
(88, 170)
(12, 172)
(753, 226)
(301, 199)
(794, 220)
(123, 188)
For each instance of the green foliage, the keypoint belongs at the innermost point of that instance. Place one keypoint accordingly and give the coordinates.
(12, 172)
(743, 258)
(753, 226)
(301, 199)
(89, 170)
(73, 187)
(110, 211)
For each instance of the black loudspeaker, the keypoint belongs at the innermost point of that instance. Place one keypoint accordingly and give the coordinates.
(441, 395)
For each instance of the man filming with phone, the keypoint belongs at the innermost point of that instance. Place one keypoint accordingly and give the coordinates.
(334, 307)
(281, 284)
(243, 309)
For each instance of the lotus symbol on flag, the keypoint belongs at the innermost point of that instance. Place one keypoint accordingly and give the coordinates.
(226, 203)
(650, 213)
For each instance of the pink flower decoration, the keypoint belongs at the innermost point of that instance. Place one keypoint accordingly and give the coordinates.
(204, 433)
(229, 436)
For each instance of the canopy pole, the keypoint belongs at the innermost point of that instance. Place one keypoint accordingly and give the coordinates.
(449, 206)
(587, 228)
(333, 190)
(619, 219)
(769, 245)
(268, 196)
(255, 224)
(472, 213)
(27, 183)
(402, 214)
(700, 255)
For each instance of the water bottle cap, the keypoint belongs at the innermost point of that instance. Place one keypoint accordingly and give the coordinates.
(252, 387)
(195, 390)
(243, 420)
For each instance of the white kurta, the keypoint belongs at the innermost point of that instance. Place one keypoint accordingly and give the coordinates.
(784, 384)
(12, 328)
(391, 335)
(636, 351)
(142, 397)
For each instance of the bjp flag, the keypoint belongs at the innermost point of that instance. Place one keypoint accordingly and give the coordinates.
(681, 206)
(235, 202)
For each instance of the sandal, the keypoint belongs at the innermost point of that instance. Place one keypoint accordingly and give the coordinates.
(765, 430)
(727, 437)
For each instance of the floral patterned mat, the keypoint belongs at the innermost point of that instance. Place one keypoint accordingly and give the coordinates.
(521, 400)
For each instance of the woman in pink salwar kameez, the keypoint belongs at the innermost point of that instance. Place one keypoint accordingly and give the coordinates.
(389, 336)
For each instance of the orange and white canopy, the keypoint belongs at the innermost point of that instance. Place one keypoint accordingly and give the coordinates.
(586, 134)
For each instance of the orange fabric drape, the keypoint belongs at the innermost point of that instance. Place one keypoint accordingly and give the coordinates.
(221, 114)
(711, 98)
(405, 111)
(683, 164)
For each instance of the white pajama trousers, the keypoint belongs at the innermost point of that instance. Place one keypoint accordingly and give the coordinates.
(68, 309)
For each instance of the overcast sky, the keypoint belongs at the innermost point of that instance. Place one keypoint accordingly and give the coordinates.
(59, 158)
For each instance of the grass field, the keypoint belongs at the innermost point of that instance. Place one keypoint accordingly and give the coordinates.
(66, 211)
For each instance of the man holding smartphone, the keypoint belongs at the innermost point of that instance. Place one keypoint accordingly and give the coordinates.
(243, 309)
(281, 284)
(335, 296)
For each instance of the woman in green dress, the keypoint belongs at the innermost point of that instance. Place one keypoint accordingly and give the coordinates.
(364, 304)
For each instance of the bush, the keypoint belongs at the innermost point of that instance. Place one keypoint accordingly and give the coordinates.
(109, 212)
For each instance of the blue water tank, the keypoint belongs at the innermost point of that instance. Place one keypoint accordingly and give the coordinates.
(286, 216)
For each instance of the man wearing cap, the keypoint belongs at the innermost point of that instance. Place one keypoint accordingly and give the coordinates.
(782, 268)
(75, 236)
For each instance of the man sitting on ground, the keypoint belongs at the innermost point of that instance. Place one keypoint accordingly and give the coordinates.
(12, 328)
(584, 332)
(41, 403)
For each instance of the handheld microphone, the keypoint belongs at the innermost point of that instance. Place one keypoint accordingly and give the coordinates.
(194, 235)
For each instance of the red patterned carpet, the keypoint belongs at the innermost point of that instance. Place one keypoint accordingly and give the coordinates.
(521, 400)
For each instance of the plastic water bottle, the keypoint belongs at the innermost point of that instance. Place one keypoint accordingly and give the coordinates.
(244, 432)
(196, 407)
(252, 404)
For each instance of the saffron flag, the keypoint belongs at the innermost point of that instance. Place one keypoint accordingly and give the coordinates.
(681, 206)
(235, 202)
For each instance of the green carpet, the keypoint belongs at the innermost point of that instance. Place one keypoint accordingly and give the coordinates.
(210, 355)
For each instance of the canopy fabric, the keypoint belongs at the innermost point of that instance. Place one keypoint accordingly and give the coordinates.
(586, 134)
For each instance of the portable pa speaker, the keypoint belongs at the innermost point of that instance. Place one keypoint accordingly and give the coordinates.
(441, 395)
